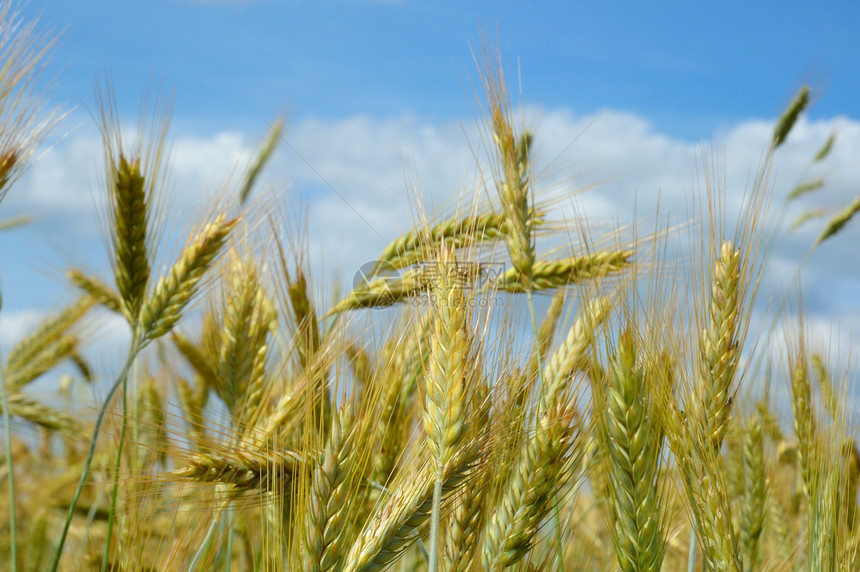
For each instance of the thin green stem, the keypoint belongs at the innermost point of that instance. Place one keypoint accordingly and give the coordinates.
(228, 548)
(7, 427)
(117, 466)
(134, 348)
(210, 534)
(531, 304)
(691, 558)
(434, 524)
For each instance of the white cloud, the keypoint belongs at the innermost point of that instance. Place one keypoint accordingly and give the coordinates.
(353, 174)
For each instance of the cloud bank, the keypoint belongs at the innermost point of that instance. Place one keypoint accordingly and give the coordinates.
(358, 179)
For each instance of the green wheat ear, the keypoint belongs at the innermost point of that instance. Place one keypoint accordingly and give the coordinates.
(173, 292)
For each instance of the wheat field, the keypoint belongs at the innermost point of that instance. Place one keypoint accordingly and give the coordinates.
(431, 418)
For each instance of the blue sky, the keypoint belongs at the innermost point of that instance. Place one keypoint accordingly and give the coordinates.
(376, 92)
(687, 66)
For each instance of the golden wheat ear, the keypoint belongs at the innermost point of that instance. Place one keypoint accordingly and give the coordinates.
(23, 121)
(135, 174)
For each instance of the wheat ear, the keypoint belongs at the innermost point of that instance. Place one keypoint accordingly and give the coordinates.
(130, 218)
(392, 527)
(192, 401)
(839, 220)
(382, 292)
(244, 469)
(633, 439)
(540, 471)
(308, 342)
(465, 523)
(789, 117)
(514, 181)
(558, 373)
(755, 492)
(402, 370)
(46, 337)
(703, 476)
(446, 382)
(61, 349)
(413, 247)
(96, 289)
(328, 510)
(42, 415)
(249, 318)
(548, 275)
(719, 348)
(172, 293)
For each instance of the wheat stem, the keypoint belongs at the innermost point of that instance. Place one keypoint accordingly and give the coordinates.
(7, 429)
(133, 350)
(115, 484)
